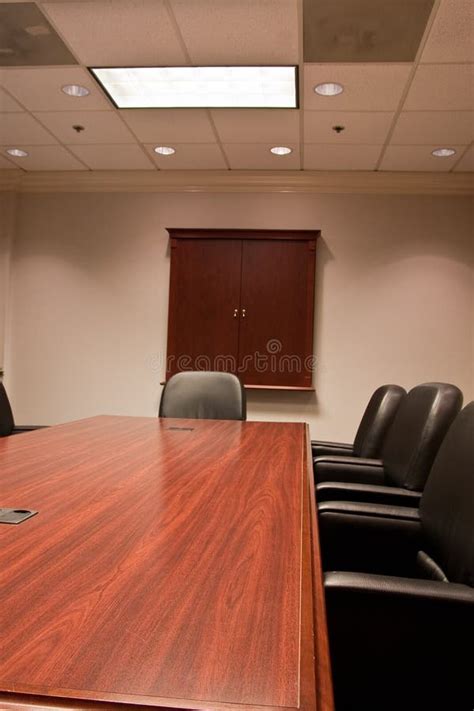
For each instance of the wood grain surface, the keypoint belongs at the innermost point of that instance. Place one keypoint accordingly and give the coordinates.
(204, 305)
(278, 298)
(243, 301)
(322, 659)
(166, 567)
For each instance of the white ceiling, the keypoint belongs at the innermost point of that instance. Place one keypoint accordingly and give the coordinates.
(394, 114)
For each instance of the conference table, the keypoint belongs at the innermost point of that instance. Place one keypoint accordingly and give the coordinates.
(172, 564)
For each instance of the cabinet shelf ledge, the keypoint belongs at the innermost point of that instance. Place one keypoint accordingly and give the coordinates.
(307, 388)
(303, 388)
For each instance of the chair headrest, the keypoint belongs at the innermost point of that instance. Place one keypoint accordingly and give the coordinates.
(204, 395)
(419, 427)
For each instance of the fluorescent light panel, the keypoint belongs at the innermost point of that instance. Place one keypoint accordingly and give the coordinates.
(199, 87)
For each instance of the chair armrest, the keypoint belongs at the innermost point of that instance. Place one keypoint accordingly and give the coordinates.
(418, 591)
(370, 493)
(362, 508)
(357, 537)
(326, 443)
(398, 642)
(320, 449)
(18, 429)
(355, 469)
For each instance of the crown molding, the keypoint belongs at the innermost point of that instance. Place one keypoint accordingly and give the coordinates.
(10, 180)
(239, 181)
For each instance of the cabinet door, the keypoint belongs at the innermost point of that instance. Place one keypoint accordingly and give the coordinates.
(276, 325)
(204, 305)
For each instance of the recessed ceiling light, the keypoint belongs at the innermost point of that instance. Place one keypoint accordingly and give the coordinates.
(164, 150)
(329, 89)
(443, 152)
(38, 30)
(280, 150)
(75, 90)
(199, 87)
(17, 152)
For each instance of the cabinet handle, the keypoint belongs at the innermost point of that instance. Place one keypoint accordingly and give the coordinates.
(243, 313)
(236, 313)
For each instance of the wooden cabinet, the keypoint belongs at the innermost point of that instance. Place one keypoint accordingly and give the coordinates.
(242, 301)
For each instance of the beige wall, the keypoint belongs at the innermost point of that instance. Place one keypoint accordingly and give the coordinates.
(7, 217)
(90, 291)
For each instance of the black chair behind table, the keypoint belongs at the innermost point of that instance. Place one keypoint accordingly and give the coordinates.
(410, 447)
(7, 422)
(399, 594)
(374, 425)
(204, 395)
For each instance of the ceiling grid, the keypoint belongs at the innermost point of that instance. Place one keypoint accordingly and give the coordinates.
(405, 93)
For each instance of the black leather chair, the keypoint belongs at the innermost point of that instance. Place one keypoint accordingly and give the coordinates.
(410, 447)
(204, 395)
(376, 420)
(7, 423)
(399, 592)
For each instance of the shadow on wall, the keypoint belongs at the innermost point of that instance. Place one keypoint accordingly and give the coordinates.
(323, 257)
(266, 404)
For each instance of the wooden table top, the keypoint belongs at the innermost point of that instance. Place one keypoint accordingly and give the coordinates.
(169, 566)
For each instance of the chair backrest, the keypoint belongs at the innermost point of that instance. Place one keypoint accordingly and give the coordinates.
(447, 504)
(418, 429)
(204, 395)
(6, 416)
(378, 416)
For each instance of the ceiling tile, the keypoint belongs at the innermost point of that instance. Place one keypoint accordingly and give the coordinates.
(243, 32)
(427, 127)
(257, 125)
(47, 158)
(119, 157)
(40, 89)
(442, 87)
(23, 128)
(170, 125)
(99, 126)
(367, 87)
(7, 103)
(122, 33)
(467, 162)
(257, 156)
(329, 157)
(360, 127)
(451, 36)
(6, 165)
(415, 158)
(363, 31)
(190, 156)
(28, 39)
